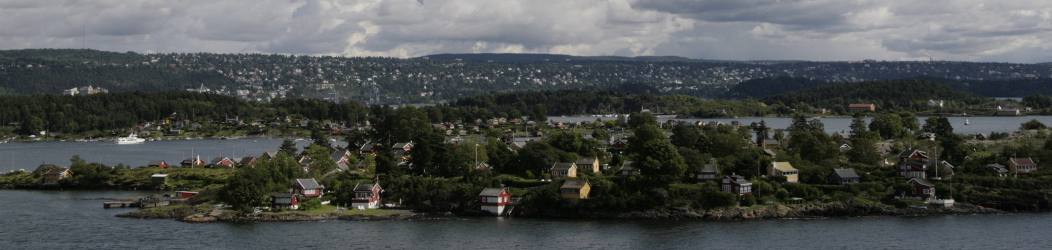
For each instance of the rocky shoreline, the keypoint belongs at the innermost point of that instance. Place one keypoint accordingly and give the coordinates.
(806, 211)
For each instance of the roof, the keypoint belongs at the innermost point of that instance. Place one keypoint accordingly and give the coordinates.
(769, 152)
(218, 160)
(1000, 168)
(342, 166)
(368, 146)
(740, 180)
(910, 152)
(158, 176)
(586, 160)
(711, 168)
(309, 183)
(846, 173)
(771, 142)
(1023, 161)
(364, 187)
(575, 183)
(563, 166)
(921, 182)
(627, 165)
(401, 145)
(491, 192)
(246, 160)
(156, 163)
(282, 195)
(783, 166)
(55, 171)
(860, 105)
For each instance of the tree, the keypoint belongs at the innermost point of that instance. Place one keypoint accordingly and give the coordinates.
(1032, 125)
(601, 135)
(321, 160)
(540, 114)
(684, 136)
(863, 150)
(635, 120)
(431, 155)
(660, 159)
(318, 137)
(810, 141)
(536, 158)
(859, 129)
(888, 126)
(938, 125)
(288, 147)
(909, 121)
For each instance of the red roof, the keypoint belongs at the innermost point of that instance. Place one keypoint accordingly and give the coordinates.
(1023, 161)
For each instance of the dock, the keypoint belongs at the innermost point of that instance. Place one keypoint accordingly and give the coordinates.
(120, 204)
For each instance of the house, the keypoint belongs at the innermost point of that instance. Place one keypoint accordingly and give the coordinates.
(708, 173)
(561, 169)
(53, 176)
(368, 148)
(1022, 165)
(158, 163)
(575, 189)
(221, 162)
(736, 184)
(926, 137)
(308, 188)
(494, 200)
(189, 162)
(845, 176)
(590, 164)
(159, 179)
(922, 190)
(783, 168)
(913, 164)
(1001, 170)
(367, 196)
(269, 154)
(861, 107)
(185, 194)
(770, 144)
(403, 146)
(247, 161)
(286, 201)
(341, 156)
(628, 169)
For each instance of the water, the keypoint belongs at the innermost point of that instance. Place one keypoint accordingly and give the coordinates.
(45, 220)
(29, 155)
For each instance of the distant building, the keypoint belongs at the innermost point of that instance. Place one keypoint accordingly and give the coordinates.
(861, 107)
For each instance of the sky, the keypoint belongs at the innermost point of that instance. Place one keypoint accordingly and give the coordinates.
(1018, 31)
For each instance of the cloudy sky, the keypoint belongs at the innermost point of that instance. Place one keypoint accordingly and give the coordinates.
(960, 30)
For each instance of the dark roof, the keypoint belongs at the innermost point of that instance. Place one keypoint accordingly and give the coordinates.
(627, 165)
(218, 160)
(342, 166)
(401, 145)
(846, 173)
(586, 160)
(246, 160)
(364, 187)
(711, 168)
(155, 163)
(367, 146)
(910, 152)
(740, 180)
(575, 183)
(921, 182)
(1023, 161)
(563, 166)
(771, 142)
(282, 195)
(1000, 168)
(309, 183)
(491, 192)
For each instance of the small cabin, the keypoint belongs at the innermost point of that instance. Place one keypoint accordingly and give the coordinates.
(308, 187)
(286, 201)
(494, 200)
(628, 169)
(159, 179)
(736, 184)
(367, 196)
(575, 189)
(708, 173)
(844, 176)
(562, 169)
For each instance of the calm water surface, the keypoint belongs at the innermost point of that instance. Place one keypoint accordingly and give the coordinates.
(48, 220)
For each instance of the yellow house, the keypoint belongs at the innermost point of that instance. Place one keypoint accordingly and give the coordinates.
(560, 170)
(575, 189)
(1022, 165)
(588, 164)
(783, 168)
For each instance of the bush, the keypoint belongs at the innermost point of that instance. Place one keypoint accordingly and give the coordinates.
(310, 204)
(748, 200)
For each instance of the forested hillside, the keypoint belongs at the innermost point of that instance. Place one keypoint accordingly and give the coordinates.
(907, 94)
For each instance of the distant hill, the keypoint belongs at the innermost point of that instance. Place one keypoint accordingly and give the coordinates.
(764, 87)
(910, 94)
(513, 57)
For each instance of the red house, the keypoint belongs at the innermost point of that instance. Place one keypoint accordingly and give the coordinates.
(494, 200)
(158, 163)
(913, 164)
(708, 173)
(185, 194)
(367, 196)
(736, 184)
(196, 161)
(922, 190)
(221, 162)
(286, 201)
(307, 187)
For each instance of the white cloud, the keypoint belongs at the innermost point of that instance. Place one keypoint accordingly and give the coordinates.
(713, 29)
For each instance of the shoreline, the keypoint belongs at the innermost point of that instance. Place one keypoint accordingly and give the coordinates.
(805, 211)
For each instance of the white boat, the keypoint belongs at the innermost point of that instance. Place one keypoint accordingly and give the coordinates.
(966, 121)
(131, 139)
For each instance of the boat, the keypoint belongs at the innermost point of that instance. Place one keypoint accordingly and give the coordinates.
(130, 139)
(966, 121)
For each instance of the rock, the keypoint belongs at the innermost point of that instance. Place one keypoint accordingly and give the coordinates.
(197, 218)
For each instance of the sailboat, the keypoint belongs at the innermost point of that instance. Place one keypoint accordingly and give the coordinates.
(966, 121)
